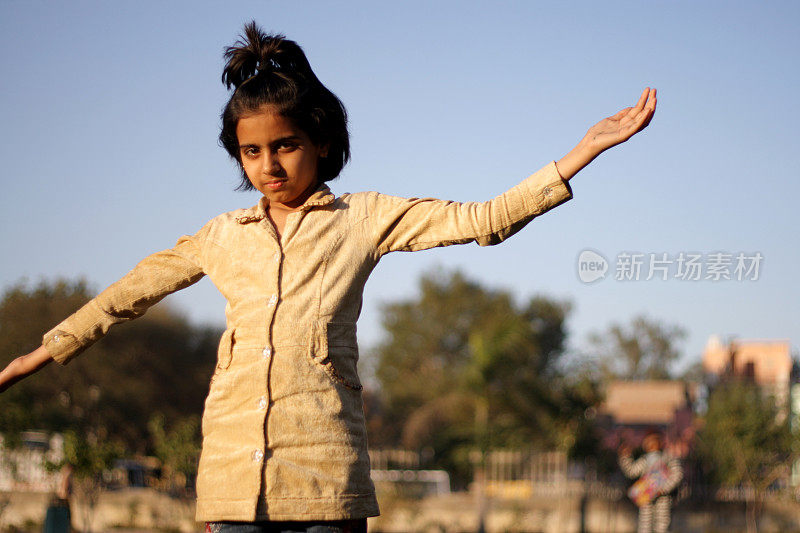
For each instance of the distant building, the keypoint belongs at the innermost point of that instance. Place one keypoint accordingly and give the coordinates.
(631, 408)
(23, 468)
(767, 363)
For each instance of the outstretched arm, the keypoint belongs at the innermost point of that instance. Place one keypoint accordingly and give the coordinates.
(609, 132)
(23, 366)
(410, 224)
(156, 276)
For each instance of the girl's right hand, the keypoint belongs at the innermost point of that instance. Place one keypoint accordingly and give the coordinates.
(24, 366)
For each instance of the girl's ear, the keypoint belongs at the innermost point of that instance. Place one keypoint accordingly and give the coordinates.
(323, 150)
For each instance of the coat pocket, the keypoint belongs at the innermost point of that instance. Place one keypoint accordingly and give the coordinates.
(224, 352)
(220, 385)
(335, 349)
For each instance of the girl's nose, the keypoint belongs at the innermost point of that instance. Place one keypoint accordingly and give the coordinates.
(271, 164)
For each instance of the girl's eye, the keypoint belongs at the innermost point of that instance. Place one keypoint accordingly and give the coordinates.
(287, 147)
(251, 151)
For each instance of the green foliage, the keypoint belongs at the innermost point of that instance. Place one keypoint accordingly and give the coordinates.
(177, 448)
(90, 455)
(464, 367)
(157, 363)
(25, 314)
(645, 349)
(745, 439)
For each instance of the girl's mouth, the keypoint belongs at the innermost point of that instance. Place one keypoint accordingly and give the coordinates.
(274, 185)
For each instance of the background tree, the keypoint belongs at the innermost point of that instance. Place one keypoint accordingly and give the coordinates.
(155, 364)
(465, 367)
(645, 349)
(90, 456)
(178, 448)
(746, 441)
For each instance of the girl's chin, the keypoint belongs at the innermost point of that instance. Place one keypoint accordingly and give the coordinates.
(275, 194)
(289, 194)
(281, 197)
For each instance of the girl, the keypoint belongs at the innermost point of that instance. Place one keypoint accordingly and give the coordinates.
(284, 441)
(659, 472)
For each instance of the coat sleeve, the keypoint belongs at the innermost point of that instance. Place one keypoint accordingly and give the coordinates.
(149, 282)
(411, 224)
(631, 468)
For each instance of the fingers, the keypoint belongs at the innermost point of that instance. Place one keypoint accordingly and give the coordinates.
(647, 100)
(648, 119)
(653, 95)
(642, 99)
(621, 113)
(641, 121)
(643, 117)
(652, 101)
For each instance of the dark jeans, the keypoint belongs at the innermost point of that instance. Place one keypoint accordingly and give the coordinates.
(57, 519)
(358, 525)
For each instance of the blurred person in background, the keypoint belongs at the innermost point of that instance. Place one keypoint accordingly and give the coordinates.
(659, 473)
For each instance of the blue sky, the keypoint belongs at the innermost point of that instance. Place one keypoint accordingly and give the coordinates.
(111, 115)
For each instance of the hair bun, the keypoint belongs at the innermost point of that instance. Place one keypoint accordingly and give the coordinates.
(257, 52)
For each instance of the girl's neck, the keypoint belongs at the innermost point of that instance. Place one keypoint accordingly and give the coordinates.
(278, 212)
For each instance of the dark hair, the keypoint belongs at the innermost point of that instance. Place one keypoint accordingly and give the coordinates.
(270, 70)
(654, 432)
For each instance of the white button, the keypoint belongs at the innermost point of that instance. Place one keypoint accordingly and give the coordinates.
(548, 191)
(257, 455)
(277, 257)
(262, 403)
(56, 338)
(266, 352)
(273, 299)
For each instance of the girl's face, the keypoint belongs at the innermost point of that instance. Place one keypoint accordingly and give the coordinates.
(278, 157)
(651, 443)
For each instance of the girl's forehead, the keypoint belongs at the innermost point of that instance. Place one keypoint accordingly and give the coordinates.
(266, 123)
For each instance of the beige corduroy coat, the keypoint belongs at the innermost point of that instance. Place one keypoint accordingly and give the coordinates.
(283, 427)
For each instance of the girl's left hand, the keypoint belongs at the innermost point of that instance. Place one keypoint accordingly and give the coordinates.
(622, 126)
(609, 132)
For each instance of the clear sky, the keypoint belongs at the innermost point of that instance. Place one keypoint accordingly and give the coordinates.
(110, 116)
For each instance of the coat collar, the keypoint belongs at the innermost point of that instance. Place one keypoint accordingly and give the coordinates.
(322, 196)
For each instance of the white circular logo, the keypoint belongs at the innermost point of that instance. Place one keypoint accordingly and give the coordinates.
(591, 266)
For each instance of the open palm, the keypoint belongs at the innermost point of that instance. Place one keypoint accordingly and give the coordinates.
(623, 125)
